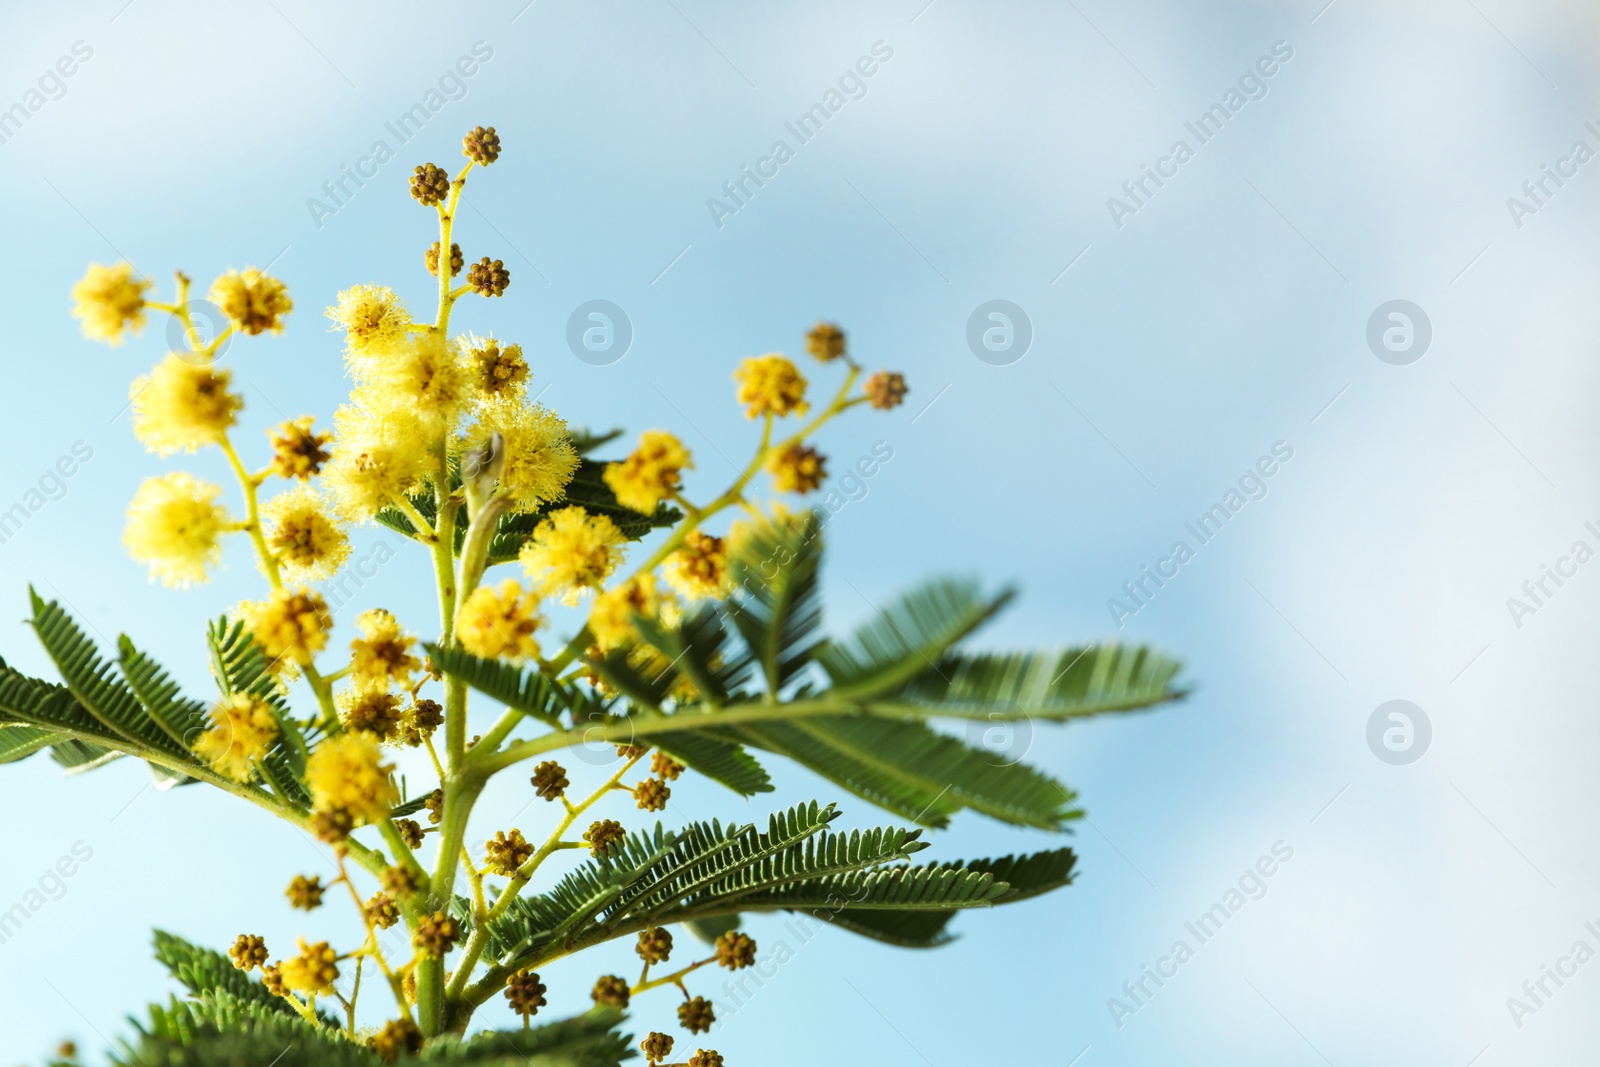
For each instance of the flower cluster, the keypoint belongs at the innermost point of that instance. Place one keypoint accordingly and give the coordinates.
(439, 442)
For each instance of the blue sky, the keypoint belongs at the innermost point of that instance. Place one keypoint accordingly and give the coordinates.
(1170, 353)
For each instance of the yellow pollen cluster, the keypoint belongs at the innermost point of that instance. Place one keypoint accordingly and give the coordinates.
(797, 468)
(382, 654)
(500, 622)
(175, 527)
(539, 457)
(308, 544)
(179, 406)
(347, 774)
(571, 552)
(376, 460)
(242, 731)
(651, 473)
(254, 302)
(771, 385)
(371, 710)
(497, 369)
(699, 569)
(110, 300)
(372, 317)
(423, 374)
(611, 618)
(291, 626)
(313, 972)
(297, 451)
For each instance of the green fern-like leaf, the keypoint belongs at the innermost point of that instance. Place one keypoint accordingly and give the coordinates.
(907, 638)
(19, 742)
(1051, 686)
(908, 768)
(778, 606)
(96, 684)
(528, 691)
(725, 762)
(182, 719)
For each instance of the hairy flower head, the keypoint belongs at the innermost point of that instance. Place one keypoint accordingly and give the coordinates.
(175, 527)
(376, 460)
(254, 302)
(699, 569)
(651, 473)
(291, 625)
(370, 709)
(497, 370)
(179, 406)
(502, 621)
(347, 773)
(797, 468)
(382, 654)
(309, 545)
(571, 552)
(372, 317)
(313, 971)
(298, 451)
(242, 730)
(771, 385)
(110, 300)
(611, 618)
(422, 374)
(540, 459)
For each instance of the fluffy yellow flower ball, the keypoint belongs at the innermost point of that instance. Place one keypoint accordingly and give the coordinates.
(611, 618)
(540, 459)
(254, 302)
(375, 460)
(497, 622)
(308, 544)
(110, 300)
(291, 626)
(373, 318)
(175, 527)
(651, 473)
(347, 774)
(242, 730)
(180, 406)
(699, 569)
(771, 385)
(571, 552)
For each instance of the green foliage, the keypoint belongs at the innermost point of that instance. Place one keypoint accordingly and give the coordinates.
(904, 640)
(217, 1029)
(96, 684)
(20, 742)
(778, 609)
(1072, 684)
(908, 768)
